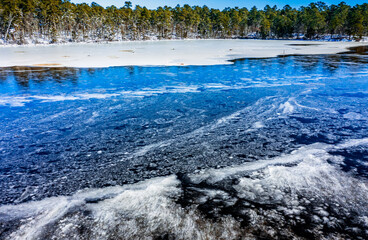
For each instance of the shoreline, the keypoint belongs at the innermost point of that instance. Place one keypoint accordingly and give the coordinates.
(311, 41)
(188, 52)
(67, 43)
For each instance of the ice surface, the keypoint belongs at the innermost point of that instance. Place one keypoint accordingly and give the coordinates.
(263, 147)
(21, 101)
(186, 52)
(299, 185)
(13, 101)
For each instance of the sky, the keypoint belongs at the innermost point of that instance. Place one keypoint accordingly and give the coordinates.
(219, 4)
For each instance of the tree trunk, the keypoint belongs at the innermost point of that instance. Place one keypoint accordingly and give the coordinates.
(11, 17)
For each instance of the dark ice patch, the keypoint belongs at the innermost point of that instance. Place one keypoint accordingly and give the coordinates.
(304, 120)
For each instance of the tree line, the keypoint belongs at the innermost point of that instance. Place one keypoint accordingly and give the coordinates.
(22, 21)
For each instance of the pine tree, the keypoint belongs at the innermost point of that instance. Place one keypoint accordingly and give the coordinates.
(56, 20)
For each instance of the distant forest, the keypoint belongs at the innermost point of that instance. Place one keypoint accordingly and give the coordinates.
(25, 21)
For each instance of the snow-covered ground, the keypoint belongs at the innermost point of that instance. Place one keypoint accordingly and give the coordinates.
(158, 53)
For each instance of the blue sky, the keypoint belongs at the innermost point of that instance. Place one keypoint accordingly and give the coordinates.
(220, 4)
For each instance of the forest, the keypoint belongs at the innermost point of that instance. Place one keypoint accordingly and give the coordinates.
(53, 21)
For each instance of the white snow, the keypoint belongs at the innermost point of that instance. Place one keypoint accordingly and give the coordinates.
(159, 53)
(287, 107)
(308, 153)
(258, 125)
(128, 212)
(14, 101)
(353, 116)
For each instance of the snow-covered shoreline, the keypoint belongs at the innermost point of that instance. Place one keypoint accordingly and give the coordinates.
(160, 53)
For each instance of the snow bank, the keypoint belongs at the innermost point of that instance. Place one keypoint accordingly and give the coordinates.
(160, 53)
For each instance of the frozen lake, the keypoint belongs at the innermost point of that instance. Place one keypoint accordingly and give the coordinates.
(271, 147)
(160, 53)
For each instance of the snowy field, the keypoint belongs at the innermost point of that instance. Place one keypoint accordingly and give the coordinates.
(159, 53)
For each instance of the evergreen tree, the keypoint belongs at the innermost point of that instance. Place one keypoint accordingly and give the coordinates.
(355, 22)
(55, 20)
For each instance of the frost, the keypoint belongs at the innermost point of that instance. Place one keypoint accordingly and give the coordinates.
(149, 208)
